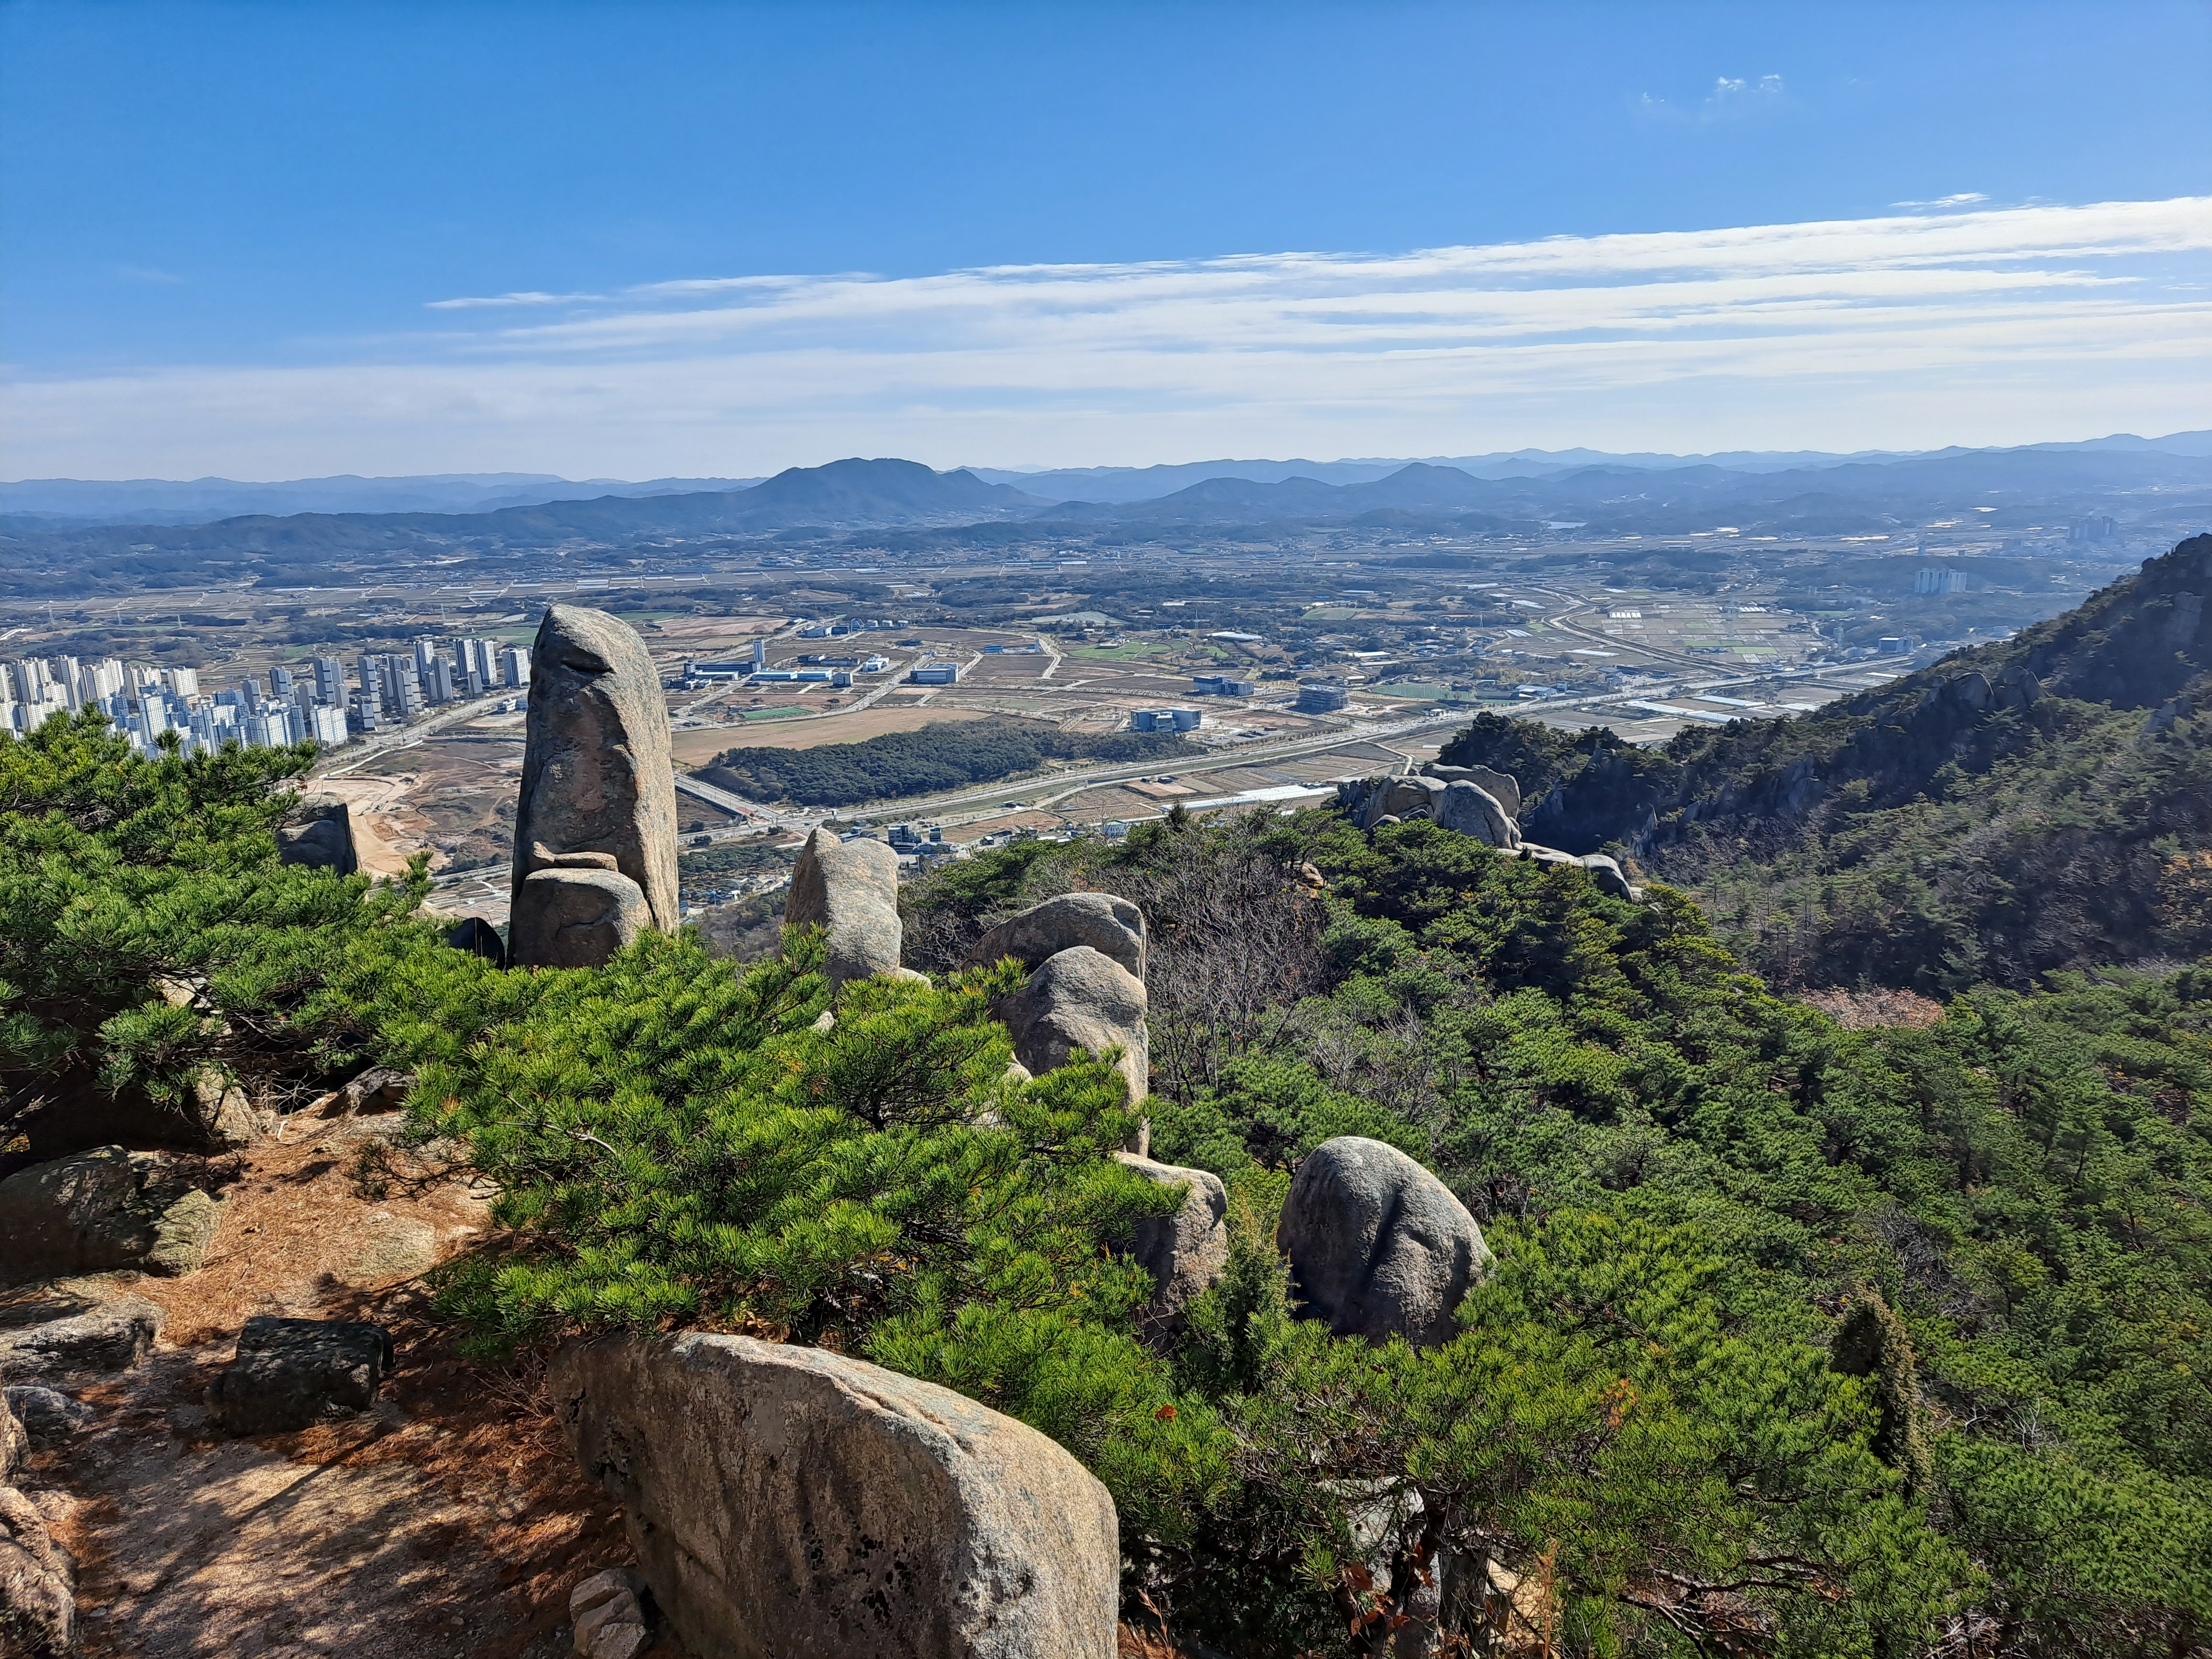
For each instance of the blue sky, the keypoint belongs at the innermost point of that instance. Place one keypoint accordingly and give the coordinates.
(751, 236)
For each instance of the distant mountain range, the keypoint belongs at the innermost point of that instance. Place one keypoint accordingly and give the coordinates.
(2152, 488)
(61, 503)
(1142, 484)
(1617, 489)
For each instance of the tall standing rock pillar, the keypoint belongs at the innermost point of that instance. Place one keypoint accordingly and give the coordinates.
(595, 827)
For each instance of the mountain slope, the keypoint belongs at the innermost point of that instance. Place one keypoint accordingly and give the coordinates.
(2044, 802)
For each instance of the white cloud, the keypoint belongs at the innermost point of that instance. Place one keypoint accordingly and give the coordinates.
(1964, 198)
(531, 298)
(1921, 329)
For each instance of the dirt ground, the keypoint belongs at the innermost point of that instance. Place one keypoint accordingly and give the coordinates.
(697, 747)
(451, 1521)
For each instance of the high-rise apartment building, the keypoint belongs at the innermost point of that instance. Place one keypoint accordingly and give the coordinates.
(105, 680)
(514, 667)
(280, 682)
(401, 687)
(329, 683)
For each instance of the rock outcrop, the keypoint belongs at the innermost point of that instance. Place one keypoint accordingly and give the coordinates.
(38, 1580)
(1081, 1001)
(850, 889)
(48, 1416)
(1378, 1246)
(318, 833)
(1468, 808)
(1609, 878)
(595, 823)
(294, 1373)
(102, 1209)
(1502, 786)
(786, 1501)
(1470, 801)
(1185, 1250)
(1113, 927)
(1368, 802)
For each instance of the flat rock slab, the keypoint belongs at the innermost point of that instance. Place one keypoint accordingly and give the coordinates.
(112, 1336)
(787, 1502)
(606, 1616)
(102, 1209)
(1113, 927)
(1378, 1246)
(292, 1373)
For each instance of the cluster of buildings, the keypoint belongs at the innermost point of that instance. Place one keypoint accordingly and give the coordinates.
(1220, 685)
(392, 688)
(318, 702)
(1934, 579)
(815, 667)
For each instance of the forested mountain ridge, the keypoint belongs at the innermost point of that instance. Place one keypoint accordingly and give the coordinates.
(2042, 802)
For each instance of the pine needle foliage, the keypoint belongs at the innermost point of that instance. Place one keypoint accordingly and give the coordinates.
(675, 1139)
(152, 943)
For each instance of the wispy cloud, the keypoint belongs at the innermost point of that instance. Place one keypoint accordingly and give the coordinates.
(1917, 329)
(1964, 198)
(147, 274)
(532, 298)
(1732, 97)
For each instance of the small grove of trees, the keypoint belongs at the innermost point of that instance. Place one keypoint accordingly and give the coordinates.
(944, 756)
